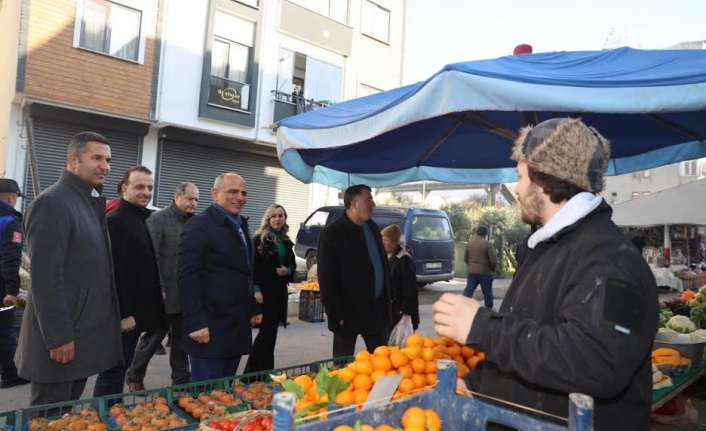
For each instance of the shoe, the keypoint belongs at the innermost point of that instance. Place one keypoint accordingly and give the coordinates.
(11, 383)
(160, 350)
(136, 387)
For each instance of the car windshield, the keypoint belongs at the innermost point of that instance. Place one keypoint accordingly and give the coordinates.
(385, 221)
(430, 227)
(317, 219)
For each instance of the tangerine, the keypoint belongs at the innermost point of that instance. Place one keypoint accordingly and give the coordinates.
(467, 352)
(364, 367)
(381, 351)
(430, 367)
(346, 374)
(362, 381)
(301, 404)
(453, 350)
(398, 359)
(431, 378)
(472, 362)
(366, 427)
(406, 371)
(406, 385)
(377, 374)
(419, 380)
(414, 417)
(382, 363)
(428, 342)
(428, 354)
(419, 366)
(360, 395)
(433, 421)
(414, 340)
(413, 352)
(363, 355)
(345, 398)
(462, 370)
(391, 373)
(481, 355)
(343, 428)
(304, 381)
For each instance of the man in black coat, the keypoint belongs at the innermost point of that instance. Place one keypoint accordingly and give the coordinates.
(136, 273)
(354, 276)
(10, 258)
(215, 283)
(581, 312)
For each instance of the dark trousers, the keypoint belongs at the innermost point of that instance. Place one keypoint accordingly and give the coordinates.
(486, 285)
(50, 393)
(213, 368)
(262, 356)
(112, 381)
(148, 344)
(344, 344)
(8, 344)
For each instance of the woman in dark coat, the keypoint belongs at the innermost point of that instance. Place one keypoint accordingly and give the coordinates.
(273, 269)
(404, 278)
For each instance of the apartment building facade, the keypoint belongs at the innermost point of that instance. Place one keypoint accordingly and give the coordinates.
(189, 88)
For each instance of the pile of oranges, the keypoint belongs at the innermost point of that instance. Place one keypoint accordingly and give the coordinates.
(416, 361)
(414, 419)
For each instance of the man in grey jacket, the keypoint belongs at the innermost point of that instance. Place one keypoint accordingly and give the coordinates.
(71, 325)
(165, 227)
(481, 260)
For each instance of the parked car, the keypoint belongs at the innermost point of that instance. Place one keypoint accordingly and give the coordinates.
(426, 234)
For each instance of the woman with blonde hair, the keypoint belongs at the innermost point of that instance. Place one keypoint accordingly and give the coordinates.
(273, 269)
(404, 278)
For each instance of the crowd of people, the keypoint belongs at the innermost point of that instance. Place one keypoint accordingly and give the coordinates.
(579, 316)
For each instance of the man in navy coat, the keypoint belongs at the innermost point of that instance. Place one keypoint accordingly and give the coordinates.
(215, 283)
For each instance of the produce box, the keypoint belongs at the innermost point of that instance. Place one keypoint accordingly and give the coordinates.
(49, 417)
(311, 309)
(148, 410)
(10, 421)
(456, 412)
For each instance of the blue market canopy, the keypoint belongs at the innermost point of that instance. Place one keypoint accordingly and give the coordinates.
(459, 125)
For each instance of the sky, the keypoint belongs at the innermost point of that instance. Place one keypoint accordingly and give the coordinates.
(439, 32)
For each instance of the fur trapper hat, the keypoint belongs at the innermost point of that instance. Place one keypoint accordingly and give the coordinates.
(567, 149)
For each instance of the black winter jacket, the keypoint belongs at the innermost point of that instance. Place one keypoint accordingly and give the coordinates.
(10, 250)
(579, 316)
(347, 278)
(136, 270)
(404, 287)
(272, 286)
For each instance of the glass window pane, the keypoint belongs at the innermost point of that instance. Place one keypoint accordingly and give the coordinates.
(94, 26)
(323, 82)
(284, 71)
(234, 29)
(339, 10)
(238, 63)
(429, 227)
(376, 21)
(124, 32)
(219, 58)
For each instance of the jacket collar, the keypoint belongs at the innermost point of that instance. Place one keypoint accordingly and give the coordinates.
(143, 213)
(7, 209)
(350, 224)
(602, 208)
(78, 184)
(222, 218)
(183, 217)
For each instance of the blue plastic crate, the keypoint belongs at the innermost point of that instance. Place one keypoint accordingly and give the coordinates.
(10, 420)
(456, 412)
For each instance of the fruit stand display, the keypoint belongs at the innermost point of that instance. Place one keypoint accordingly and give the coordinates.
(72, 415)
(311, 309)
(148, 410)
(9, 421)
(454, 412)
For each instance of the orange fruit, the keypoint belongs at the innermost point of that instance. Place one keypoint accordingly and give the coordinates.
(439, 349)
(430, 367)
(304, 381)
(301, 404)
(391, 373)
(467, 352)
(414, 340)
(384, 427)
(406, 371)
(364, 367)
(472, 362)
(430, 378)
(433, 421)
(419, 380)
(346, 374)
(343, 428)
(439, 341)
(414, 417)
(366, 427)
(382, 363)
(345, 398)
(398, 359)
(360, 395)
(453, 350)
(462, 370)
(363, 355)
(428, 354)
(406, 385)
(377, 374)
(428, 342)
(362, 381)
(413, 352)
(481, 355)
(381, 351)
(313, 394)
(419, 366)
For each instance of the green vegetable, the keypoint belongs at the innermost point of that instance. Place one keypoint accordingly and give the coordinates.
(664, 315)
(698, 316)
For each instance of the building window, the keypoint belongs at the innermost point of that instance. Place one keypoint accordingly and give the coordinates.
(636, 195)
(231, 56)
(252, 3)
(337, 10)
(110, 28)
(646, 173)
(645, 193)
(308, 82)
(367, 90)
(690, 168)
(375, 21)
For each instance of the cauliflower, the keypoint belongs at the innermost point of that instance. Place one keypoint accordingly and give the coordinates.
(667, 330)
(681, 324)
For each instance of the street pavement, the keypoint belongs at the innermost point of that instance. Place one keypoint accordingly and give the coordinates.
(300, 343)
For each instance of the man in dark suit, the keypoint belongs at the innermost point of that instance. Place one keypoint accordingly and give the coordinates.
(354, 276)
(136, 273)
(215, 283)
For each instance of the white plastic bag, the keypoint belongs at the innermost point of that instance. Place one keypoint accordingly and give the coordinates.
(401, 331)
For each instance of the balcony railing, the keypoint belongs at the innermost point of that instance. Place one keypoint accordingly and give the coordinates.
(288, 104)
(228, 94)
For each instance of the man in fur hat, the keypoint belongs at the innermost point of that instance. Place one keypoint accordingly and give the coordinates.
(581, 312)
